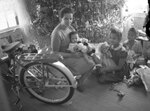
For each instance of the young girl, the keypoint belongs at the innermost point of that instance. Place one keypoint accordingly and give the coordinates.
(132, 34)
(119, 55)
(128, 44)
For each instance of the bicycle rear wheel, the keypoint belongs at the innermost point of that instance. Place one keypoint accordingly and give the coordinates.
(46, 83)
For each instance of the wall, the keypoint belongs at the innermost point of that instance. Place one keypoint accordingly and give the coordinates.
(22, 30)
(24, 18)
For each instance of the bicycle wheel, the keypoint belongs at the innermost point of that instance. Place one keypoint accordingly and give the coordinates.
(46, 83)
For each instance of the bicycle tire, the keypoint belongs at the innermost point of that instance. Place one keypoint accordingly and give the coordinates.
(38, 96)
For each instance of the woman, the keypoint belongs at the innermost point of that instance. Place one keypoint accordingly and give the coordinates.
(60, 43)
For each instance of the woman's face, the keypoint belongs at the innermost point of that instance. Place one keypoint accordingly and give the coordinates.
(67, 19)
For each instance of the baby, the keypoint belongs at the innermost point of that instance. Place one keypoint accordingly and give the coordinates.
(79, 44)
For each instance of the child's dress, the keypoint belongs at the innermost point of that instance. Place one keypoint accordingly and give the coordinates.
(107, 62)
(105, 58)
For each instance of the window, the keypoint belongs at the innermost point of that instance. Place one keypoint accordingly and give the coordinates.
(8, 16)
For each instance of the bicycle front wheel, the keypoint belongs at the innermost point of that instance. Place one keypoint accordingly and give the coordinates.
(46, 83)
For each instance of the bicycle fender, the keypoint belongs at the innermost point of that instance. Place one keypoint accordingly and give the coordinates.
(67, 72)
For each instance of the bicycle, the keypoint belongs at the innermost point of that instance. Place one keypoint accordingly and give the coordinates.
(38, 75)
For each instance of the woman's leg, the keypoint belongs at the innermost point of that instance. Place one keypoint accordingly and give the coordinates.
(80, 66)
(83, 78)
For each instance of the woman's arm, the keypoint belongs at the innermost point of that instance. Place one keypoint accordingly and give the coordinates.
(56, 44)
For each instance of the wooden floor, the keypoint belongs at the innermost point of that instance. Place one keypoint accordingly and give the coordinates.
(96, 97)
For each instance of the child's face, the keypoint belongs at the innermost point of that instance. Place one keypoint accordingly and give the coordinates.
(113, 40)
(131, 36)
(74, 38)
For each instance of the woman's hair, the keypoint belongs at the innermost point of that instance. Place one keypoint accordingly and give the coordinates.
(72, 33)
(117, 32)
(64, 11)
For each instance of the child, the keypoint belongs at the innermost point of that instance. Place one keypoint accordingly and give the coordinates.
(79, 44)
(119, 55)
(132, 34)
(128, 44)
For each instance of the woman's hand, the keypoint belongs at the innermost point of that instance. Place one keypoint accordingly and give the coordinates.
(77, 54)
(103, 70)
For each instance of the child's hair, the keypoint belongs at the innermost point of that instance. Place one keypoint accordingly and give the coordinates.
(64, 11)
(132, 29)
(72, 33)
(117, 32)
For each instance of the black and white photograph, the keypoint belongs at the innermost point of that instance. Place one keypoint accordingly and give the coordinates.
(74, 55)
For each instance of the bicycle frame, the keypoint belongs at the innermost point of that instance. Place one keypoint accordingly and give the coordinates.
(63, 68)
(57, 64)
(42, 71)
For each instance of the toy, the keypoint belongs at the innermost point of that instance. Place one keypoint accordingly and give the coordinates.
(84, 47)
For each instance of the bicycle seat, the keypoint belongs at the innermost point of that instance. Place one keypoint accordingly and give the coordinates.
(141, 33)
(9, 47)
(141, 38)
